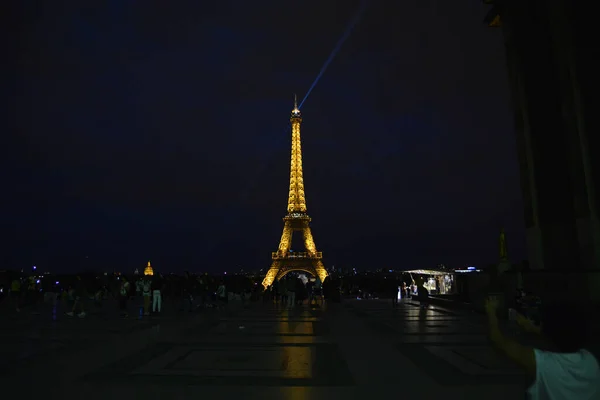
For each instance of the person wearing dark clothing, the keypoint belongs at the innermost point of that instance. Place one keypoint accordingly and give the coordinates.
(222, 294)
(202, 288)
(123, 297)
(15, 293)
(80, 293)
(393, 289)
(147, 294)
(300, 290)
(276, 291)
(309, 292)
(187, 293)
(267, 294)
(423, 296)
(157, 285)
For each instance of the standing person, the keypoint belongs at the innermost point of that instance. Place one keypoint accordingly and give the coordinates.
(309, 292)
(79, 295)
(394, 292)
(156, 294)
(55, 293)
(201, 289)
(267, 294)
(146, 292)
(571, 372)
(317, 290)
(123, 297)
(423, 296)
(32, 294)
(187, 297)
(276, 291)
(15, 293)
(68, 297)
(138, 288)
(291, 292)
(98, 297)
(283, 291)
(222, 294)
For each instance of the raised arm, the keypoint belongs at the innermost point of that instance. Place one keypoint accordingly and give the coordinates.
(522, 355)
(527, 325)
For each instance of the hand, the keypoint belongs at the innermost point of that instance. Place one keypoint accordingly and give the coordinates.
(491, 305)
(526, 324)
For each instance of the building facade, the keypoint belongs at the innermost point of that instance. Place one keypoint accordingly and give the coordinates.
(552, 59)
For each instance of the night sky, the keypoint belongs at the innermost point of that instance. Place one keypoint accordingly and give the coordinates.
(157, 130)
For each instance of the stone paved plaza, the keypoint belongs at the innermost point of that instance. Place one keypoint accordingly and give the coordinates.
(350, 350)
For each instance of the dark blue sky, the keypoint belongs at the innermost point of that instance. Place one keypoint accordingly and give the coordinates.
(156, 130)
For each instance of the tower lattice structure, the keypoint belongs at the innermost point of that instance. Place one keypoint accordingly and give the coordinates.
(296, 220)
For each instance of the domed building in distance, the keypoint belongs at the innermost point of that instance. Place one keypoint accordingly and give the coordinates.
(148, 271)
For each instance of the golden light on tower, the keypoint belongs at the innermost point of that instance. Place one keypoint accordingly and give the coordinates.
(148, 271)
(284, 260)
(296, 200)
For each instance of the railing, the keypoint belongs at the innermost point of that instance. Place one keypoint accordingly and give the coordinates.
(296, 216)
(295, 255)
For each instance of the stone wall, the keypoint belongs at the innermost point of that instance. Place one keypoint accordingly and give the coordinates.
(552, 63)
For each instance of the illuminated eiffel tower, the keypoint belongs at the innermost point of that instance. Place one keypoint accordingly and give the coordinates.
(296, 220)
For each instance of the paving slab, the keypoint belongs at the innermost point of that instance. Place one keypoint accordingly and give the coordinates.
(350, 350)
(453, 350)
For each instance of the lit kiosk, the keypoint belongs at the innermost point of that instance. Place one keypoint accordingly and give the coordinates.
(438, 281)
(296, 220)
(148, 271)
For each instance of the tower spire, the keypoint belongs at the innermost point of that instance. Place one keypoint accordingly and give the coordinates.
(296, 110)
(296, 200)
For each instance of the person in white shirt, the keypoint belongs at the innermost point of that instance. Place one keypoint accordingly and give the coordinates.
(222, 294)
(156, 294)
(571, 372)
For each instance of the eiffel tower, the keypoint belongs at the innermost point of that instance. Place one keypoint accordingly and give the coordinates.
(296, 220)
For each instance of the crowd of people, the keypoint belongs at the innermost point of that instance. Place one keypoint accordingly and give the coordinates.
(292, 291)
(566, 369)
(79, 293)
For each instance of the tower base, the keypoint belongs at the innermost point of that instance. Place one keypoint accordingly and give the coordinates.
(281, 267)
